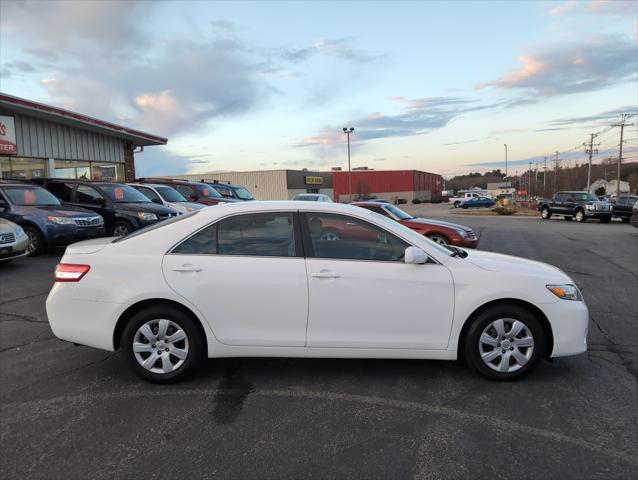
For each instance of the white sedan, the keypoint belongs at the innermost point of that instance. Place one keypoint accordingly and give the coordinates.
(261, 279)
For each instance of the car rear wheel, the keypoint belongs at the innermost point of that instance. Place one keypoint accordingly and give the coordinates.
(505, 342)
(440, 239)
(546, 214)
(465, 205)
(457, 204)
(580, 216)
(35, 247)
(162, 344)
(121, 228)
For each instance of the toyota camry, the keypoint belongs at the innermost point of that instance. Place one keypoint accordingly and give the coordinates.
(264, 279)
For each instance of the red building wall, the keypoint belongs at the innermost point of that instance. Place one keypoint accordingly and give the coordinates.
(403, 183)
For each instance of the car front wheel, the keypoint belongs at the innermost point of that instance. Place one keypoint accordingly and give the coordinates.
(505, 342)
(162, 344)
(546, 214)
(580, 216)
(440, 239)
(35, 247)
(121, 228)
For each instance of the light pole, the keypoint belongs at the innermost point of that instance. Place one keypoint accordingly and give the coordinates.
(348, 131)
(505, 144)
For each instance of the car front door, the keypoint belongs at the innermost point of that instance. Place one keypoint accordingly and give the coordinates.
(247, 275)
(362, 294)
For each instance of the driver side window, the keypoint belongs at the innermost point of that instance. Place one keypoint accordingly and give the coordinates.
(349, 238)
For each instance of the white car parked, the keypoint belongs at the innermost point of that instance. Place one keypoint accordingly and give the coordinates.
(260, 279)
(167, 196)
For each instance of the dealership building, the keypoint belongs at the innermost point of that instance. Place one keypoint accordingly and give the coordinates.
(272, 184)
(38, 140)
(392, 185)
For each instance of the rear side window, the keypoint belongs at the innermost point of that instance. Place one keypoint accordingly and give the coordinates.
(184, 190)
(224, 191)
(148, 193)
(88, 194)
(61, 190)
(203, 242)
(258, 234)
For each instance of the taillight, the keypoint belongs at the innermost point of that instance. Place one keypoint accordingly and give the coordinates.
(69, 272)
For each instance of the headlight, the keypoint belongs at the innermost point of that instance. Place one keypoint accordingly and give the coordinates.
(566, 292)
(147, 216)
(61, 220)
(462, 233)
(20, 232)
(589, 207)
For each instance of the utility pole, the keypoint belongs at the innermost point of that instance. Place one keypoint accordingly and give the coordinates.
(556, 160)
(590, 151)
(348, 131)
(529, 181)
(505, 144)
(536, 178)
(622, 126)
(545, 178)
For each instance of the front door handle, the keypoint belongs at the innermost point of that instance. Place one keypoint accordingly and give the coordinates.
(187, 268)
(325, 274)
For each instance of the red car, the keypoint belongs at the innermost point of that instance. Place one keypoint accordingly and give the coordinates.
(440, 232)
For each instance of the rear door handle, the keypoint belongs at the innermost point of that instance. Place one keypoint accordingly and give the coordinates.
(187, 268)
(325, 274)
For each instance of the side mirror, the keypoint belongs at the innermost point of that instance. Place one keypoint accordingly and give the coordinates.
(415, 256)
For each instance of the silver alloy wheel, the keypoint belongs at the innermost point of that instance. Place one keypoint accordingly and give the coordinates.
(32, 246)
(545, 213)
(506, 345)
(120, 231)
(439, 239)
(579, 216)
(331, 236)
(160, 346)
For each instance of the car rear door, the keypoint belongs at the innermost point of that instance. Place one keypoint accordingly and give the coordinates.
(247, 274)
(362, 294)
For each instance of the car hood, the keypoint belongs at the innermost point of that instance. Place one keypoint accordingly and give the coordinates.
(496, 262)
(149, 207)
(428, 221)
(58, 211)
(6, 226)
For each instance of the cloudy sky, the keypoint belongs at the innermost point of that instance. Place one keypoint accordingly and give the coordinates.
(437, 86)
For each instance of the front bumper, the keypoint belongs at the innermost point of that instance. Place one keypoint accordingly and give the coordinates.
(67, 234)
(467, 242)
(569, 321)
(15, 249)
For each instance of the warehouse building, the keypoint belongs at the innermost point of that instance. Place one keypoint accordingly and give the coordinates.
(392, 185)
(272, 184)
(38, 140)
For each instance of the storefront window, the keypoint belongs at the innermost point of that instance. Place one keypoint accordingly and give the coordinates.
(72, 169)
(109, 172)
(20, 167)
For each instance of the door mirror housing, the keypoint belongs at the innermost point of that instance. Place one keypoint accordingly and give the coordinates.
(415, 256)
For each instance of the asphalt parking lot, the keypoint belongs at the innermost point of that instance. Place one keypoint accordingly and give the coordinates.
(74, 412)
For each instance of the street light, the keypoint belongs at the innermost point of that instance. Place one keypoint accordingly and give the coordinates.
(505, 144)
(348, 131)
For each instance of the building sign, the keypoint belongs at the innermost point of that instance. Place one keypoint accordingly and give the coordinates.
(314, 180)
(522, 193)
(8, 145)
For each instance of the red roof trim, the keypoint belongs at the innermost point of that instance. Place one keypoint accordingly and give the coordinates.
(79, 117)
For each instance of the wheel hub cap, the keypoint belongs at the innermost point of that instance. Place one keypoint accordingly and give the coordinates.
(506, 345)
(160, 346)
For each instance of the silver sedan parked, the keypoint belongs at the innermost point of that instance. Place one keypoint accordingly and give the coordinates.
(13, 241)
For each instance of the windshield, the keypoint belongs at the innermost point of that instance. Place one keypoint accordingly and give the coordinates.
(25, 196)
(169, 194)
(207, 190)
(410, 234)
(243, 193)
(155, 226)
(120, 193)
(585, 196)
(397, 212)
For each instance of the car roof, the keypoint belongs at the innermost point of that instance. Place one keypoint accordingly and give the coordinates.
(279, 205)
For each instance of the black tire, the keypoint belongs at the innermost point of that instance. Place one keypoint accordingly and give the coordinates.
(464, 205)
(568, 218)
(580, 216)
(440, 239)
(546, 213)
(456, 204)
(470, 346)
(625, 219)
(35, 247)
(195, 342)
(605, 219)
(120, 228)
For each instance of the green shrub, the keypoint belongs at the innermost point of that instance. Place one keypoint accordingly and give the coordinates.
(500, 210)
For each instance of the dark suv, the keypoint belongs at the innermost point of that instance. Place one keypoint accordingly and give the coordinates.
(194, 191)
(124, 209)
(231, 190)
(44, 219)
(578, 205)
(623, 208)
